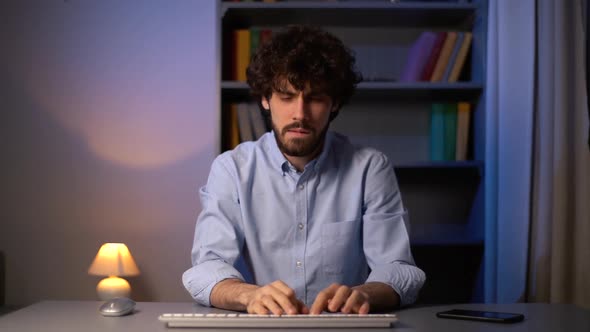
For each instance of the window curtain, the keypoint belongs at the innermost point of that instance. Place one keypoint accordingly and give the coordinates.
(586, 11)
(559, 268)
(509, 133)
(537, 156)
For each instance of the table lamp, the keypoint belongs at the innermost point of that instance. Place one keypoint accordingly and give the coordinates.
(113, 260)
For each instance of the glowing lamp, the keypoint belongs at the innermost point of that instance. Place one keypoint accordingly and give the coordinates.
(113, 260)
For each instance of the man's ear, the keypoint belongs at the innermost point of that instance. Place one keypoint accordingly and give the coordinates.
(265, 103)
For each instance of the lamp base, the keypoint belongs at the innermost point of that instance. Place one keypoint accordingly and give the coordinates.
(111, 287)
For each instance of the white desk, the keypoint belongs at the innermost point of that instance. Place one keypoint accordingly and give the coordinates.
(83, 316)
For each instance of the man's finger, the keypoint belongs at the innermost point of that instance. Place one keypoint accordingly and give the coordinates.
(257, 308)
(341, 294)
(271, 305)
(319, 304)
(287, 304)
(321, 301)
(302, 308)
(364, 309)
(354, 302)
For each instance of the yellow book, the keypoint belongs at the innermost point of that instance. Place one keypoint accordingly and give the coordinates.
(443, 58)
(234, 134)
(242, 49)
(461, 57)
(463, 119)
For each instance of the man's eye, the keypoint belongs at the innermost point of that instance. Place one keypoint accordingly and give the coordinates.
(286, 98)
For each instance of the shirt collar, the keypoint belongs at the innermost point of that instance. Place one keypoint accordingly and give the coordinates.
(281, 164)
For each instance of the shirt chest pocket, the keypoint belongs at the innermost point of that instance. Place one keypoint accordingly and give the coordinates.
(341, 245)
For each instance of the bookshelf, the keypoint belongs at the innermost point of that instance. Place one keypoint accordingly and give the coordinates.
(445, 198)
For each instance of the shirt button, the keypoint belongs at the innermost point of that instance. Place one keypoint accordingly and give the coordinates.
(301, 187)
(298, 264)
(300, 226)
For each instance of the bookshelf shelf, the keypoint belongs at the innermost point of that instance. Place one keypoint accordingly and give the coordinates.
(349, 13)
(401, 91)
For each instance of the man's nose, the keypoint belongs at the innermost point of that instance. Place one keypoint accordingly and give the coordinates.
(300, 108)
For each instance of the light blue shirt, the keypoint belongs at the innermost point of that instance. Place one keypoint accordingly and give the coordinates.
(340, 220)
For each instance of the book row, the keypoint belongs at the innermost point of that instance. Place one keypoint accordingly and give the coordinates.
(239, 45)
(244, 122)
(449, 128)
(439, 56)
(449, 131)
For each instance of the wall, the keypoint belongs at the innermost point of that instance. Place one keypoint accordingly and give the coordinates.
(108, 127)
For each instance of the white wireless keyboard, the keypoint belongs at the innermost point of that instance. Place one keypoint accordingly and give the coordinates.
(275, 321)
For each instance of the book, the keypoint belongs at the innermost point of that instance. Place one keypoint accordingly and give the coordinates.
(443, 58)
(461, 57)
(463, 119)
(433, 57)
(450, 131)
(231, 135)
(229, 55)
(453, 57)
(254, 40)
(437, 127)
(242, 53)
(265, 36)
(244, 123)
(418, 56)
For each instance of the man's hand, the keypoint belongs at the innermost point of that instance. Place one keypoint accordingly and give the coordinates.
(276, 298)
(361, 299)
(341, 298)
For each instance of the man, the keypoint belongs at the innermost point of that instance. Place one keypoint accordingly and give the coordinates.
(318, 222)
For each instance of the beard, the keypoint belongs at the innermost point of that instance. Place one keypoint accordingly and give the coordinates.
(299, 147)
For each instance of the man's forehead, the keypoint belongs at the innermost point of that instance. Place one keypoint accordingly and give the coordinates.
(286, 86)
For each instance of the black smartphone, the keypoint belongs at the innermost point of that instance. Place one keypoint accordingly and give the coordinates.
(485, 316)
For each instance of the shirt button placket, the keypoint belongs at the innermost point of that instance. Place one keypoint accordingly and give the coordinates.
(301, 236)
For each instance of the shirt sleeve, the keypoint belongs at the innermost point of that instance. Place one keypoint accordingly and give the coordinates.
(385, 233)
(218, 235)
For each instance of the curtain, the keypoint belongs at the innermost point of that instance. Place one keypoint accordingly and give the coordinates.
(559, 268)
(586, 11)
(509, 131)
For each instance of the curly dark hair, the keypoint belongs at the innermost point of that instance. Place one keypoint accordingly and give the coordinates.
(304, 55)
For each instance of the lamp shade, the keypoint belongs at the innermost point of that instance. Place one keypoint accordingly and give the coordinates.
(113, 259)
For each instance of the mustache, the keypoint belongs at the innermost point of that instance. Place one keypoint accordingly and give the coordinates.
(297, 125)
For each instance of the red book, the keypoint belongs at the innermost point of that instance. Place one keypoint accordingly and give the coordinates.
(431, 63)
(265, 36)
(417, 57)
(228, 56)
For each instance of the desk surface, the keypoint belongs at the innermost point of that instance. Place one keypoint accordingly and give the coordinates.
(83, 316)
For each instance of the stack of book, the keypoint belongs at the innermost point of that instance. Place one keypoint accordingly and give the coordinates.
(441, 57)
(437, 57)
(244, 122)
(449, 131)
(239, 46)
